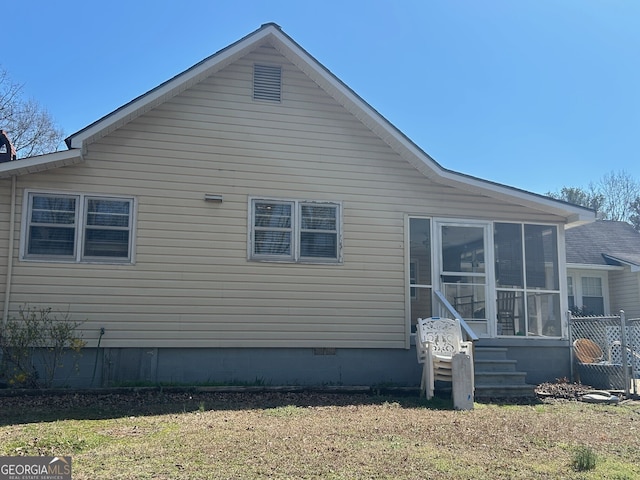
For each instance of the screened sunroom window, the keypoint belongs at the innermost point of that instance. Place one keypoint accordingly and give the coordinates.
(295, 231)
(508, 253)
(78, 228)
(541, 257)
(527, 279)
(420, 283)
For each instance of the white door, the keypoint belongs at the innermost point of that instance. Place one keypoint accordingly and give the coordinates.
(463, 263)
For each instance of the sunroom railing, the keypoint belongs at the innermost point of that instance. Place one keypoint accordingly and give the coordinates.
(444, 304)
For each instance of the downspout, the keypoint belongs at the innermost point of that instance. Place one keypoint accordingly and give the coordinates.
(12, 224)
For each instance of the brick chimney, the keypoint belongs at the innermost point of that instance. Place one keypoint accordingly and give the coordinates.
(7, 150)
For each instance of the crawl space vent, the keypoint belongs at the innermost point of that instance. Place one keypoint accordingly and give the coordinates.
(267, 81)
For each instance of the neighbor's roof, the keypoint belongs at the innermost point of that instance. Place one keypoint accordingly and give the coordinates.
(272, 35)
(40, 163)
(604, 242)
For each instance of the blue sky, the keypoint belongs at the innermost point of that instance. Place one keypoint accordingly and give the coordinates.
(535, 94)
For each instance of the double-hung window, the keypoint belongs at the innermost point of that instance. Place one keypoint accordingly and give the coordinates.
(592, 297)
(78, 228)
(586, 292)
(295, 231)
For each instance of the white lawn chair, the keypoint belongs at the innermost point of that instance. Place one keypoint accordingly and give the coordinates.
(437, 341)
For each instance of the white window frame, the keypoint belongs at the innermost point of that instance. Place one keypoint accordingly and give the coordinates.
(296, 231)
(80, 228)
(413, 278)
(417, 291)
(577, 276)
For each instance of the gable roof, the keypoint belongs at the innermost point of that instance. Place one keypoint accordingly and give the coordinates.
(272, 35)
(604, 242)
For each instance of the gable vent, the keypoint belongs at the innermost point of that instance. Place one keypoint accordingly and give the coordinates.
(267, 81)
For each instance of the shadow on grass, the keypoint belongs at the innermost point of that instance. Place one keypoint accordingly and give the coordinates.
(43, 406)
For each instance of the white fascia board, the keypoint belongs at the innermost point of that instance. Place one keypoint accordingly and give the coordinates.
(40, 163)
(574, 215)
(633, 266)
(590, 266)
(169, 89)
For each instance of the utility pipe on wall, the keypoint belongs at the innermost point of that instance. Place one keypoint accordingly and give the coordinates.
(12, 224)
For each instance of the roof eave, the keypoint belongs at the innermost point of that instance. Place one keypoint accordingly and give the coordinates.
(573, 214)
(593, 266)
(40, 163)
(632, 265)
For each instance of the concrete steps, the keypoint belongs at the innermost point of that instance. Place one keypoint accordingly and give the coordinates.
(496, 375)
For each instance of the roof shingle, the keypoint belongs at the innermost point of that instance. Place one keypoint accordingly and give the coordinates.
(602, 243)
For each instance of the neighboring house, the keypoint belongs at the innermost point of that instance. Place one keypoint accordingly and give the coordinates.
(253, 219)
(603, 268)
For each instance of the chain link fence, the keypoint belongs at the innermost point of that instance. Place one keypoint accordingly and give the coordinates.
(605, 352)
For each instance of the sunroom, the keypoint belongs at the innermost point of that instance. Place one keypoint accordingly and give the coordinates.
(504, 279)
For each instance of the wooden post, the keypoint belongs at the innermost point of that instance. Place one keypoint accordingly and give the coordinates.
(462, 382)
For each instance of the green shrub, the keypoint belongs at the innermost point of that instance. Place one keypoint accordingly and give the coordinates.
(584, 459)
(37, 338)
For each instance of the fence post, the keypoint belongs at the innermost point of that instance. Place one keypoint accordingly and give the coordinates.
(572, 373)
(625, 363)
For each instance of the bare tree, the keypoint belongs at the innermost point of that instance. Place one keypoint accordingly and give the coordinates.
(634, 218)
(616, 196)
(30, 127)
(619, 189)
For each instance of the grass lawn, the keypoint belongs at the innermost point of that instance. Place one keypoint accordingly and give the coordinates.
(159, 435)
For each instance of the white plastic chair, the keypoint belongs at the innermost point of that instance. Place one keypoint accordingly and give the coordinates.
(437, 341)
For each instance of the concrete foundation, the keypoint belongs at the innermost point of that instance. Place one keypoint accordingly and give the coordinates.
(543, 361)
(111, 367)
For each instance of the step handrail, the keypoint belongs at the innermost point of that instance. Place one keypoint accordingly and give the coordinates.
(470, 334)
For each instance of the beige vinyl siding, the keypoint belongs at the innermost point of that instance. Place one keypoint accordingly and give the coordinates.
(192, 285)
(625, 292)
